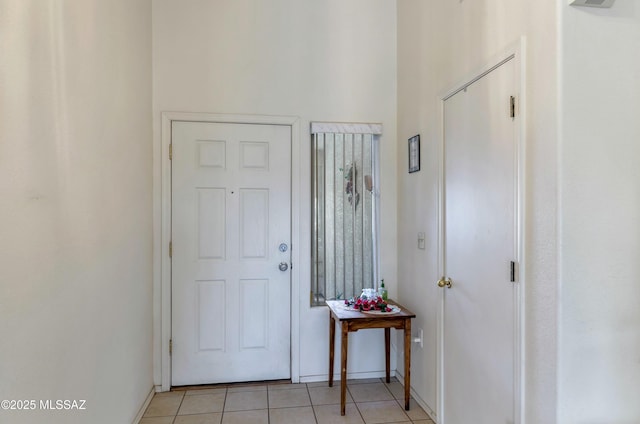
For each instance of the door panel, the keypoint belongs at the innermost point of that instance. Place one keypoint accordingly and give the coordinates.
(479, 230)
(254, 223)
(231, 209)
(211, 223)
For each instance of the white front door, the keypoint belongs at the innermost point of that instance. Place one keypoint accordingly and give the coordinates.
(231, 231)
(480, 187)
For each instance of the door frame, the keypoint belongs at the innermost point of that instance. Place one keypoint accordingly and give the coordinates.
(516, 52)
(162, 235)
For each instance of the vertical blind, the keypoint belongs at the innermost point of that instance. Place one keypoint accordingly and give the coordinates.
(344, 231)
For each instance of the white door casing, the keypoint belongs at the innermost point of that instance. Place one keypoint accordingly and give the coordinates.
(480, 336)
(231, 211)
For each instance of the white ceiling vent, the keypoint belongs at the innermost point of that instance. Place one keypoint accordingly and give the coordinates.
(592, 3)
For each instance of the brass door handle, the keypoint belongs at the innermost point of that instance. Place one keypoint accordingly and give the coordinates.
(445, 282)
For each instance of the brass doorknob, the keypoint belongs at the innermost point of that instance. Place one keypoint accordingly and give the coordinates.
(445, 282)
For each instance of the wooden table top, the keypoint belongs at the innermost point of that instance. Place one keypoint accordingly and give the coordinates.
(341, 313)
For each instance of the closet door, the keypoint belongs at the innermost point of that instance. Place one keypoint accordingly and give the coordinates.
(480, 193)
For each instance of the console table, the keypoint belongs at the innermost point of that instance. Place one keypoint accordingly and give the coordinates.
(354, 320)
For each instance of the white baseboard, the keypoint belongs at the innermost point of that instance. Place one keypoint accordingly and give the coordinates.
(430, 412)
(144, 406)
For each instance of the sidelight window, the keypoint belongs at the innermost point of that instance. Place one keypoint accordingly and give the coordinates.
(345, 210)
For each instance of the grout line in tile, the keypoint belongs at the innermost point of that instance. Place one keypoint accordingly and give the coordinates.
(313, 410)
(224, 404)
(181, 402)
(359, 412)
(179, 406)
(354, 404)
(268, 407)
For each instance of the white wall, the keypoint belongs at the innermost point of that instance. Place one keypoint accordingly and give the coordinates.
(318, 60)
(599, 347)
(440, 44)
(75, 211)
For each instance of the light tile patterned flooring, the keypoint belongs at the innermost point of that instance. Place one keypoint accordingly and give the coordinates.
(369, 401)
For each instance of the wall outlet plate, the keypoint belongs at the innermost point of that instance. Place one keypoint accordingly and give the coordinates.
(592, 3)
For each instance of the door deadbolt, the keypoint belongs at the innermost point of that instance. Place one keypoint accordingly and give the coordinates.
(283, 247)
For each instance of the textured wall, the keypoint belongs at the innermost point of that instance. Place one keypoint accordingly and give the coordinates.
(75, 211)
(320, 61)
(599, 346)
(440, 44)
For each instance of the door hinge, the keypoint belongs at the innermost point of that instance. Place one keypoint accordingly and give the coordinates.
(170, 346)
(513, 271)
(170, 151)
(170, 249)
(512, 106)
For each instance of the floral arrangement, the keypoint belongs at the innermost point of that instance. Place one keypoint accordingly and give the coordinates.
(376, 303)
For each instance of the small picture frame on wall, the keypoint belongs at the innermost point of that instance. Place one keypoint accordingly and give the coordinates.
(414, 154)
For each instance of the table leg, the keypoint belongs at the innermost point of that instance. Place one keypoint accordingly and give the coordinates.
(343, 370)
(387, 353)
(407, 362)
(332, 345)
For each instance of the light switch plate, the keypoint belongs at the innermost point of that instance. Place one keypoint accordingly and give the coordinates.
(592, 3)
(421, 241)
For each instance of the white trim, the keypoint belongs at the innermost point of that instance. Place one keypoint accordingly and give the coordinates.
(144, 406)
(521, 124)
(430, 412)
(162, 233)
(165, 262)
(441, 268)
(345, 128)
(377, 228)
(515, 52)
(296, 276)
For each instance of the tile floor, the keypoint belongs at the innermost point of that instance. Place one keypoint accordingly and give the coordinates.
(368, 402)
